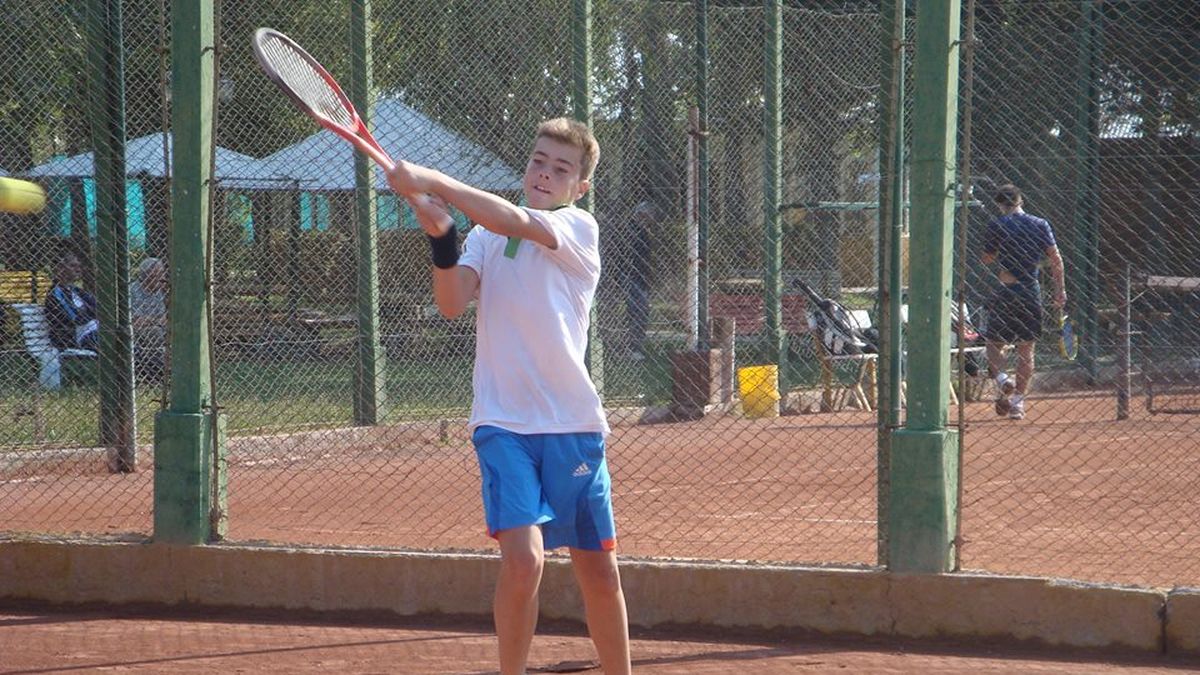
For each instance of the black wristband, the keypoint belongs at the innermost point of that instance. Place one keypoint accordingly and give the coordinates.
(445, 249)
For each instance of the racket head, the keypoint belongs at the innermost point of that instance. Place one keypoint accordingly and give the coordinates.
(1067, 344)
(314, 90)
(304, 80)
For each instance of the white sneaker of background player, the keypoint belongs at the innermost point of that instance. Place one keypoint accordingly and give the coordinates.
(1004, 389)
(1016, 408)
(1005, 384)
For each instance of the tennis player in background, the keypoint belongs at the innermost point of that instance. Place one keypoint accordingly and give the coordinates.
(1017, 242)
(536, 419)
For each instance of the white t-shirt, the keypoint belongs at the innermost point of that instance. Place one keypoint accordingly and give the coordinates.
(531, 327)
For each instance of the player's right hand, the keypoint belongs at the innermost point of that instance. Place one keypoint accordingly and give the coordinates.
(408, 180)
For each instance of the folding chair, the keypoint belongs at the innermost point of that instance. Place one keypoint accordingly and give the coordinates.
(847, 378)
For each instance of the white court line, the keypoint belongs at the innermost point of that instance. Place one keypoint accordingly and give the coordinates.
(287, 459)
(1078, 474)
(1116, 533)
(789, 519)
(743, 481)
(14, 481)
(1107, 440)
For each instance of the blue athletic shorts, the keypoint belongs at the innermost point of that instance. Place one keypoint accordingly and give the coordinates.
(1015, 314)
(557, 481)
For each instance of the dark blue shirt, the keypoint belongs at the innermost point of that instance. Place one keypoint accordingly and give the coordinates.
(63, 314)
(1019, 241)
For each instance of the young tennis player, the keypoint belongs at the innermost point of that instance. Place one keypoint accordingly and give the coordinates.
(1017, 242)
(537, 422)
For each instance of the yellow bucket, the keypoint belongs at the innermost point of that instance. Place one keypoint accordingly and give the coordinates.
(760, 390)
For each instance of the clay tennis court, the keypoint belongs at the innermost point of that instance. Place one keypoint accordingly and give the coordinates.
(48, 640)
(1068, 492)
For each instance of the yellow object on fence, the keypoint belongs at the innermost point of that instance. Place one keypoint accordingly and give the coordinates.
(760, 390)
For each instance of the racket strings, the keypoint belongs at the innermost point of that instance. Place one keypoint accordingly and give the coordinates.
(303, 79)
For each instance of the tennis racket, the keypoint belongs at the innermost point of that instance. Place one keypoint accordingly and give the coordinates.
(1068, 345)
(304, 80)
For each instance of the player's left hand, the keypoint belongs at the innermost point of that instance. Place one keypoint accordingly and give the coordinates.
(432, 214)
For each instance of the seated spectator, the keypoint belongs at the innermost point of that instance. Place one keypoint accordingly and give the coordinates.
(148, 311)
(70, 310)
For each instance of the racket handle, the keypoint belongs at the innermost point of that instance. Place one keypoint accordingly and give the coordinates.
(381, 158)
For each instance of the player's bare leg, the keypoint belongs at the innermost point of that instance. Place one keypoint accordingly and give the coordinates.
(995, 358)
(516, 603)
(1024, 367)
(604, 605)
(1004, 384)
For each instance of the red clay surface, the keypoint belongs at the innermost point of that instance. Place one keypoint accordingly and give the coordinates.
(99, 640)
(1069, 491)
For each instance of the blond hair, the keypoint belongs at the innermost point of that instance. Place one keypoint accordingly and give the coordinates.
(577, 134)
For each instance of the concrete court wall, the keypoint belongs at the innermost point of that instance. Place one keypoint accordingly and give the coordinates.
(781, 599)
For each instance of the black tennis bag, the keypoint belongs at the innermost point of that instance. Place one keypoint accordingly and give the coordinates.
(836, 327)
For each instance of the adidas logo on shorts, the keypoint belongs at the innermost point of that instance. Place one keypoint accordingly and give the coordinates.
(581, 470)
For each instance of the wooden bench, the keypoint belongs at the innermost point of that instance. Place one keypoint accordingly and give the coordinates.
(36, 332)
(22, 286)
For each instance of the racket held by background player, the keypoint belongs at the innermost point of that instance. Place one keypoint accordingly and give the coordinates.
(1068, 345)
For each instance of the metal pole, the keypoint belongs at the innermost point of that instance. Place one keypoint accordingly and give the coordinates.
(964, 214)
(772, 186)
(702, 206)
(1124, 349)
(118, 430)
(924, 472)
(891, 222)
(692, 273)
(183, 432)
(370, 392)
(581, 104)
(293, 249)
(1087, 161)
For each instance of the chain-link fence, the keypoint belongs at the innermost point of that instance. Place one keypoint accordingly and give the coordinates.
(345, 431)
(1090, 109)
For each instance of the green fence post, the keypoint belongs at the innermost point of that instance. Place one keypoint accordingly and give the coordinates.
(924, 459)
(1084, 270)
(772, 187)
(187, 488)
(703, 329)
(581, 107)
(370, 391)
(891, 221)
(106, 81)
(293, 249)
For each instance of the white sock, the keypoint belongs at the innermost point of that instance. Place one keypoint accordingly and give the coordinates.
(1017, 399)
(1001, 379)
